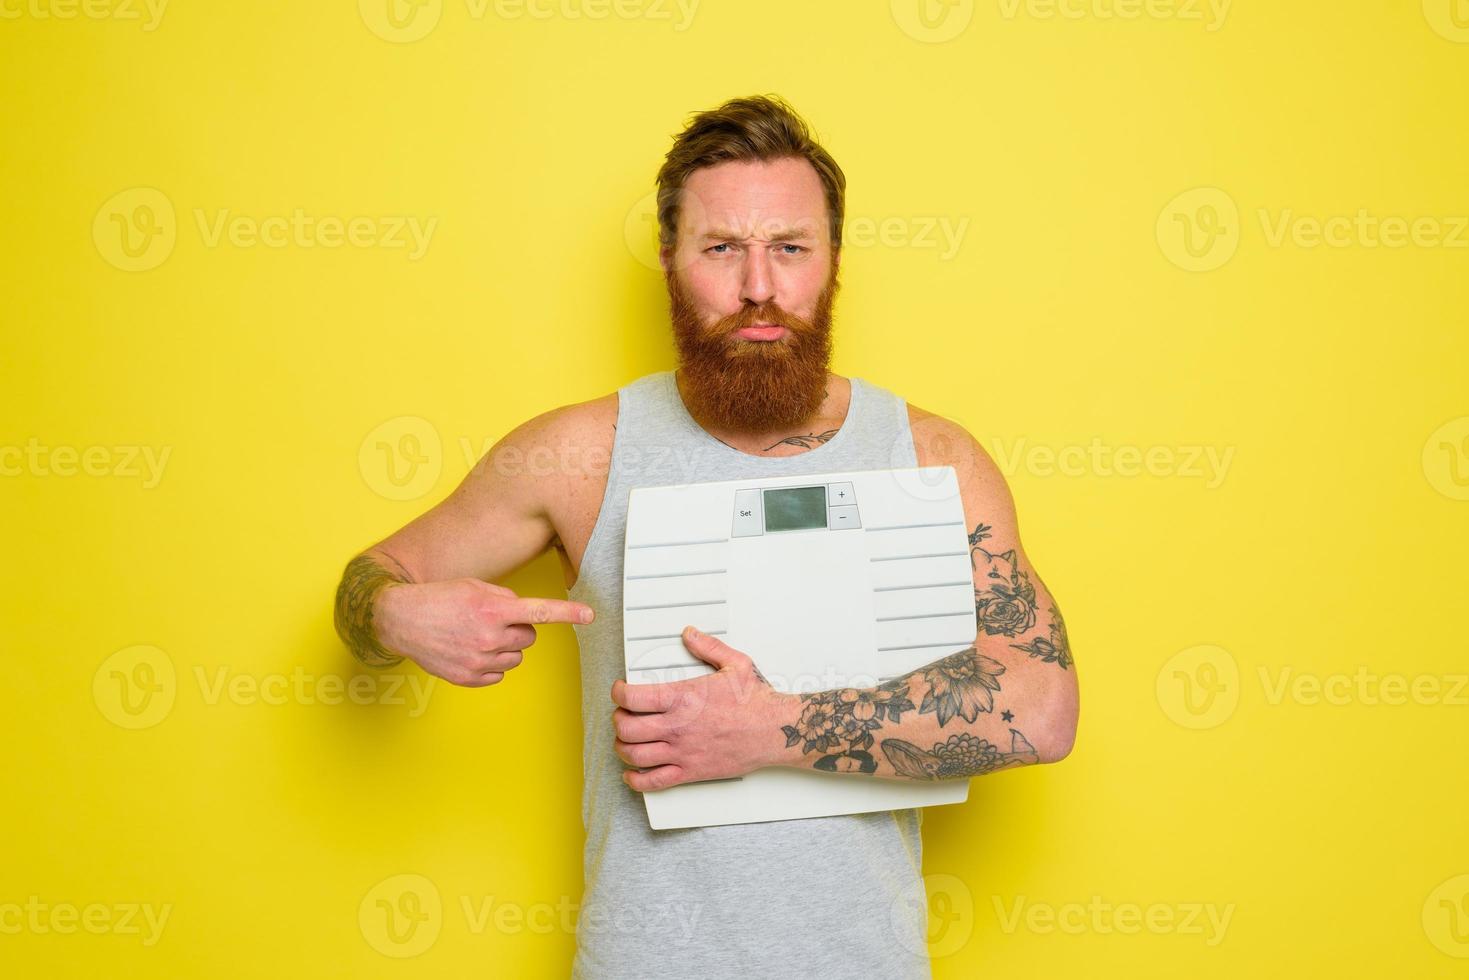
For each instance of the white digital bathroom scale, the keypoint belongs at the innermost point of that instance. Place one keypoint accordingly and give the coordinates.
(826, 581)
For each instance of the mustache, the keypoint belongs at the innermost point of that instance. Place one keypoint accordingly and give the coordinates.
(769, 313)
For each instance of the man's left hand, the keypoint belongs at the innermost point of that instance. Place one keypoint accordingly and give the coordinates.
(717, 726)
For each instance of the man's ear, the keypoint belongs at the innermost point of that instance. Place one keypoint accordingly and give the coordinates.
(665, 258)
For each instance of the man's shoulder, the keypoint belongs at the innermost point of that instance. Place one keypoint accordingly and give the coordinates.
(590, 422)
(946, 440)
(584, 423)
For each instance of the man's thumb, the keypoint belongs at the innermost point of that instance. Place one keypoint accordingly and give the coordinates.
(710, 649)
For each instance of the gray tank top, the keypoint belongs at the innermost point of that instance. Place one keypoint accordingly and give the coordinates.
(825, 896)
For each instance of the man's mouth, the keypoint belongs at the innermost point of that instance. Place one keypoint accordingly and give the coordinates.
(762, 331)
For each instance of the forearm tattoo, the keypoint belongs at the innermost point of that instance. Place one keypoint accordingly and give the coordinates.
(838, 724)
(962, 755)
(357, 593)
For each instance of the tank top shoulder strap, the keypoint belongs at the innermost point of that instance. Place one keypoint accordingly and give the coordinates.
(884, 438)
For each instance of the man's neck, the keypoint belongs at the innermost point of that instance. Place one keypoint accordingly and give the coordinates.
(785, 440)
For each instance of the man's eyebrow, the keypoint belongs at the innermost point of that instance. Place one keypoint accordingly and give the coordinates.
(780, 234)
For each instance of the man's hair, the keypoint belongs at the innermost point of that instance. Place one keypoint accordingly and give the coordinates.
(760, 127)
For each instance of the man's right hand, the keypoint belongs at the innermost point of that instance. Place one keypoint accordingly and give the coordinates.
(467, 631)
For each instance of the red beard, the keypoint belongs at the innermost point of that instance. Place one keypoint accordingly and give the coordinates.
(749, 385)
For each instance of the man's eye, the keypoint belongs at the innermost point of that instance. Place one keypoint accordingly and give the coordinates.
(798, 249)
(720, 245)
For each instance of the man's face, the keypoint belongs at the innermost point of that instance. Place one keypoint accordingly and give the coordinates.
(751, 284)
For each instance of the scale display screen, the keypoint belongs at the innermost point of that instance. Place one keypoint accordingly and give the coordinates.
(795, 508)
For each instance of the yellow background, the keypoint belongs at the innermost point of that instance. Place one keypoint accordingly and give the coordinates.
(1334, 540)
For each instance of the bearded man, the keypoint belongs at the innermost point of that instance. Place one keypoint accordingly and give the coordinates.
(750, 213)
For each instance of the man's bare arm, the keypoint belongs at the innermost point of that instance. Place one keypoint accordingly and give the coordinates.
(425, 592)
(1010, 699)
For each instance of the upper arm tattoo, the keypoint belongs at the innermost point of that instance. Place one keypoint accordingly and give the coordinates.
(1007, 604)
(1057, 649)
(1004, 602)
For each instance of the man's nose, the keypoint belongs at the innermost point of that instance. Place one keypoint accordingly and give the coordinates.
(758, 286)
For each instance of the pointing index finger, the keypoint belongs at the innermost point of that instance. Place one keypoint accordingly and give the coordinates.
(537, 611)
